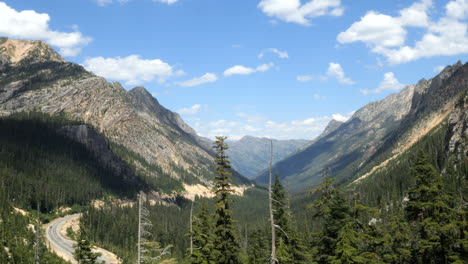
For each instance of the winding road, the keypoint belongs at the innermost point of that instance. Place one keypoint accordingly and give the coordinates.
(64, 246)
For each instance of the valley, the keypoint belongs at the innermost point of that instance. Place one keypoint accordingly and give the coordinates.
(214, 132)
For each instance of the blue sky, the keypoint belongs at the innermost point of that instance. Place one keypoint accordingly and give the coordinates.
(278, 68)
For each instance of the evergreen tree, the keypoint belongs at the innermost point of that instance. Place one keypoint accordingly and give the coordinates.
(83, 248)
(395, 246)
(335, 212)
(290, 246)
(428, 211)
(226, 246)
(258, 249)
(203, 239)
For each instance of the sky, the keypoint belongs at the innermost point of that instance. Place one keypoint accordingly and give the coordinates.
(270, 68)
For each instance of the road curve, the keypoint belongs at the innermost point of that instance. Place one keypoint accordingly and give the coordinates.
(64, 246)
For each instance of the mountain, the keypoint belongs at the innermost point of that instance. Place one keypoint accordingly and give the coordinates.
(250, 155)
(154, 141)
(377, 133)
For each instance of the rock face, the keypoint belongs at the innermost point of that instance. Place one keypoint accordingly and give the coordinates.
(250, 155)
(457, 135)
(376, 133)
(33, 77)
(99, 146)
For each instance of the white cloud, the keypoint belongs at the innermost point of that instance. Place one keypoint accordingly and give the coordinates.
(28, 24)
(457, 9)
(242, 70)
(133, 70)
(169, 2)
(281, 54)
(438, 69)
(103, 2)
(386, 35)
(340, 117)
(389, 83)
(206, 78)
(295, 12)
(307, 128)
(336, 71)
(309, 77)
(318, 97)
(191, 110)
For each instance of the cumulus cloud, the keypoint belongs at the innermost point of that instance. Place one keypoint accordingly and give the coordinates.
(334, 71)
(389, 83)
(29, 24)
(307, 128)
(206, 78)
(457, 9)
(190, 110)
(242, 70)
(133, 70)
(340, 117)
(281, 54)
(386, 35)
(295, 12)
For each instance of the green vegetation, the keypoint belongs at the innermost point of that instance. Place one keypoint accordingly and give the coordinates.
(40, 166)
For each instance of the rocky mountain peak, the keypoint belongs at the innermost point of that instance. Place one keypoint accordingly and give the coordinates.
(14, 51)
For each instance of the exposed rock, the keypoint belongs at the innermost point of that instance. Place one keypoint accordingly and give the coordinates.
(377, 133)
(36, 78)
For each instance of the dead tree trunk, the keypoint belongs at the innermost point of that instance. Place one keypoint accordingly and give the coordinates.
(272, 220)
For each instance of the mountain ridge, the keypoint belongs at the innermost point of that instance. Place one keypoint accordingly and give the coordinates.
(133, 119)
(376, 132)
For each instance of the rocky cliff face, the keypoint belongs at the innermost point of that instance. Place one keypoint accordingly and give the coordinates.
(457, 136)
(33, 77)
(377, 133)
(250, 155)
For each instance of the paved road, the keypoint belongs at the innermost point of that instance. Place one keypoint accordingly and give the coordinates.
(64, 246)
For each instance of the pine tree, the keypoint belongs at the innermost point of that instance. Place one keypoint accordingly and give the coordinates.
(290, 246)
(335, 212)
(258, 247)
(226, 246)
(203, 239)
(428, 211)
(83, 249)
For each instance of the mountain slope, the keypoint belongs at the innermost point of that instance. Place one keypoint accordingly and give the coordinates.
(36, 78)
(250, 155)
(376, 133)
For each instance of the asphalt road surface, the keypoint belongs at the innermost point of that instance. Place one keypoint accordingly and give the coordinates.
(63, 245)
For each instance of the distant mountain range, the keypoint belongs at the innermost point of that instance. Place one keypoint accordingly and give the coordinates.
(380, 132)
(151, 138)
(250, 155)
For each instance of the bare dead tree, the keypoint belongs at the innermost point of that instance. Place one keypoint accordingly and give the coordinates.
(273, 259)
(148, 251)
(191, 229)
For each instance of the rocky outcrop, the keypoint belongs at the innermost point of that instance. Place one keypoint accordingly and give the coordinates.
(457, 136)
(97, 144)
(377, 133)
(33, 77)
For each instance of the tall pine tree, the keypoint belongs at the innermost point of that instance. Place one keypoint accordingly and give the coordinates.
(83, 248)
(427, 210)
(203, 239)
(227, 248)
(290, 246)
